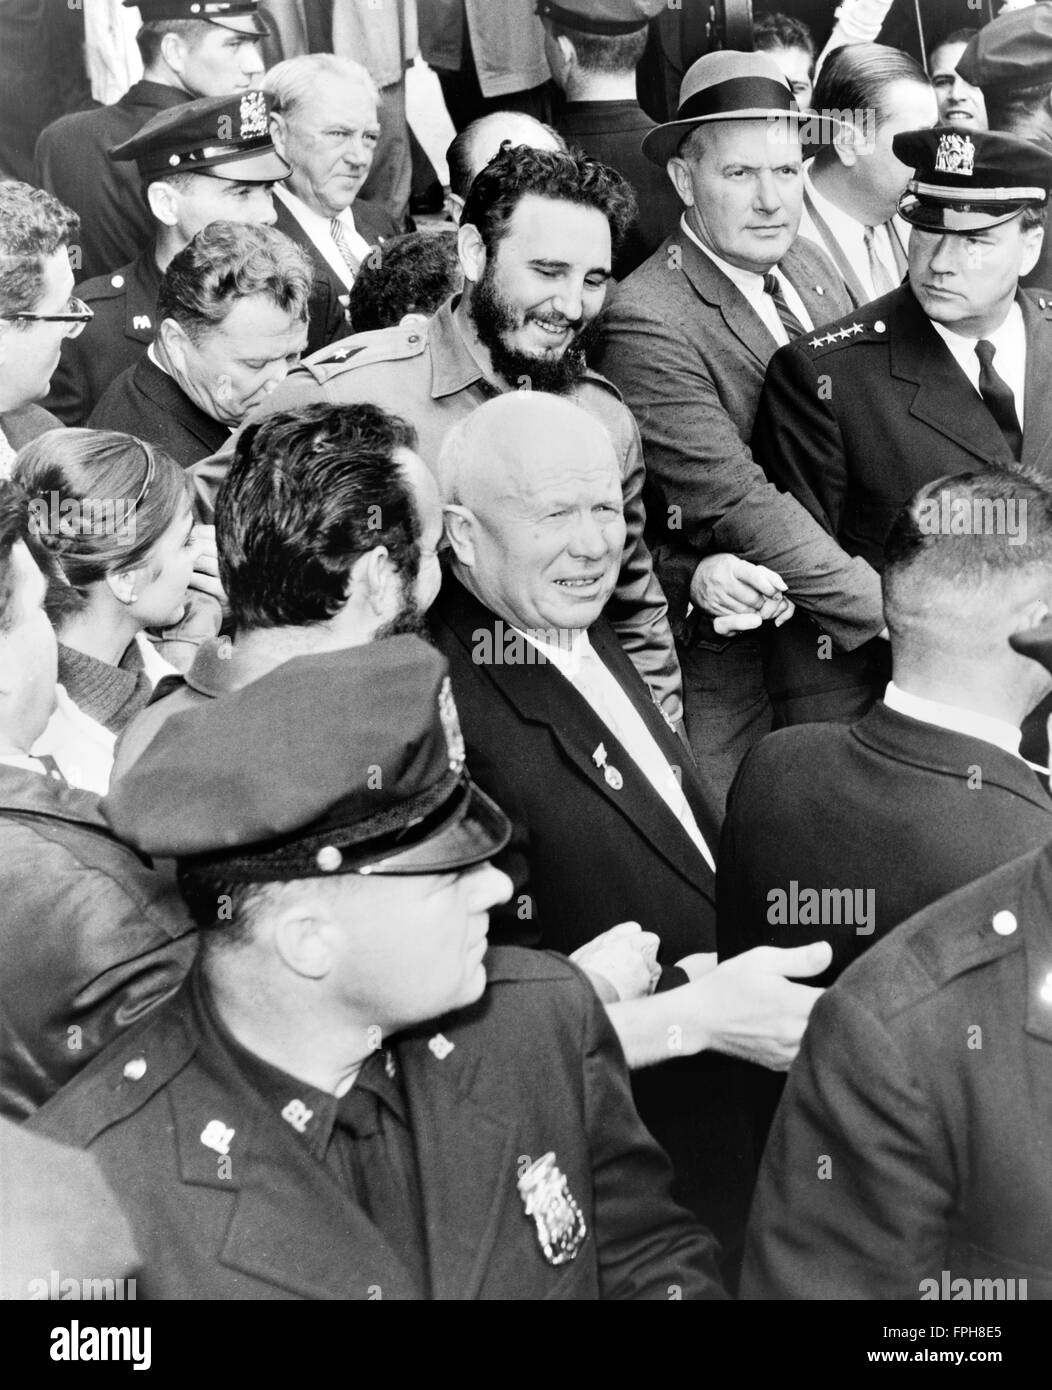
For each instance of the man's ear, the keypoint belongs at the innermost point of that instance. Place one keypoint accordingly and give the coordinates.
(175, 343)
(1033, 240)
(164, 202)
(681, 182)
(472, 252)
(460, 525)
(374, 574)
(846, 141)
(173, 51)
(278, 134)
(302, 942)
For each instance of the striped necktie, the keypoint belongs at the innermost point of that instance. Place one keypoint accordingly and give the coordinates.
(878, 272)
(339, 236)
(790, 322)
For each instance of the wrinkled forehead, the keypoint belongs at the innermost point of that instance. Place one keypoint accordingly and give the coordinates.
(334, 102)
(576, 467)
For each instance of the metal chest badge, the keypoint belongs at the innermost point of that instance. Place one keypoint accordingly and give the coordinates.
(547, 1198)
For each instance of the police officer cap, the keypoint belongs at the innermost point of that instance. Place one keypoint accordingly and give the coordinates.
(240, 15)
(609, 17)
(227, 137)
(723, 86)
(347, 762)
(1014, 50)
(966, 182)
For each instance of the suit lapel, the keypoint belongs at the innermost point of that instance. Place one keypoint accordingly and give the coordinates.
(852, 283)
(465, 1180)
(541, 695)
(945, 399)
(715, 288)
(164, 392)
(823, 299)
(1037, 412)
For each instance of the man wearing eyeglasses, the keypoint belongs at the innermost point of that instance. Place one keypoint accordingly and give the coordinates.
(37, 310)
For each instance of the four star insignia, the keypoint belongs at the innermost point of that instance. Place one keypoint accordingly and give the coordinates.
(838, 336)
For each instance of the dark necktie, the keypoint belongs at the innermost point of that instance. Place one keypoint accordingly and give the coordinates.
(997, 395)
(790, 322)
(51, 768)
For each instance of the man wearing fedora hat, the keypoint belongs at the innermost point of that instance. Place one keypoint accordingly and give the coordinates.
(948, 372)
(348, 1098)
(687, 340)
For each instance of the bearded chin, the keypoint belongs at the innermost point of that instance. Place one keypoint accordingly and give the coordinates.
(494, 317)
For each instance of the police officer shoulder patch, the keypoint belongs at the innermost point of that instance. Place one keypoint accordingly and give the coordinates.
(366, 350)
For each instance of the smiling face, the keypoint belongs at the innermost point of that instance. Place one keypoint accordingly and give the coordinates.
(540, 529)
(329, 138)
(534, 294)
(239, 362)
(959, 102)
(29, 351)
(742, 182)
(967, 283)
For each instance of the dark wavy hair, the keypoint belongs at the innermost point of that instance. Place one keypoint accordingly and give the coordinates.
(33, 226)
(570, 177)
(411, 274)
(309, 492)
(124, 492)
(227, 261)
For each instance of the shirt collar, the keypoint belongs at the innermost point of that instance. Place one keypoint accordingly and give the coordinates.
(220, 667)
(309, 1112)
(955, 718)
(840, 223)
(455, 354)
(306, 216)
(1004, 337)
(748, 281)
(562, 648)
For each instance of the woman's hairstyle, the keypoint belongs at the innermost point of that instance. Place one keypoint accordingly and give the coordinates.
(98, 502)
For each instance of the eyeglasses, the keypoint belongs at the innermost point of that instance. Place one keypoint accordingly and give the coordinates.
(77, 313)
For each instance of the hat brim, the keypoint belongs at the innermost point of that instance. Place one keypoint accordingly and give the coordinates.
(255, 166)
(252, 24)
(955, 218)
(476, 830)
(661, 144)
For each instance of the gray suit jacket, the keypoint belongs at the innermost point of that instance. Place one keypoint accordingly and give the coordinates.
(688, 353)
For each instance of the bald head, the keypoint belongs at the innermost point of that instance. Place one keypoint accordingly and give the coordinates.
(477, 143)
(532, 489)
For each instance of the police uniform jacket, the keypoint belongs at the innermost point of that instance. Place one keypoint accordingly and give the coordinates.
(913, 1138)
(72, 163)
(585, 855)
(852, 421)
(533, 1067)
(92, 938)
(146, 402)
(430, 377)
(689, 353)
(125, 308)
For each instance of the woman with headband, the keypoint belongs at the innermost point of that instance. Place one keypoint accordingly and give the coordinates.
(115, 516)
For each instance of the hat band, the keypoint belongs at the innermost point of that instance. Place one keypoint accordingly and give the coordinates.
(977, 195)
(207, 9)
(737, 96)
(612, 28)
(211, 154)
(377, 837)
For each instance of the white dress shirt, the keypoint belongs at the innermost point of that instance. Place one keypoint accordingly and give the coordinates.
(579, 663)
(850, 238)
(317, 228)
(7, 454)
(1009, 354)
(955, 718)
(751, 286)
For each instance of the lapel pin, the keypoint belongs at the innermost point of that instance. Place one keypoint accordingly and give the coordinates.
(298, 1116)
(441, 1046)
(216, 1135)
(547, 1198)
(612, 777)
(389, 1063)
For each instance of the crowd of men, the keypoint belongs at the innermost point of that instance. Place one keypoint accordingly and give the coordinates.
(512, 730)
